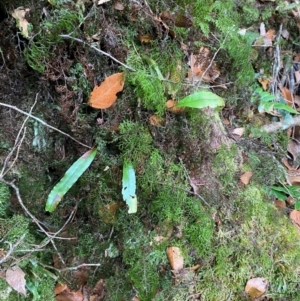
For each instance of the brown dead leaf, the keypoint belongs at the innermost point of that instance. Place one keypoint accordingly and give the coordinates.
(171, 107)
(119, 6)
(145, 39)
(246, 177)
(270, 34)
(287, 164)
(202, 67)
(295, 217)
(175, 258)
(156, 120)
(280, 204)
(183, 21)
(98, 292)
(108, 212)
(103, 96)
(15, 277)
(67, 295)
(287, 95)
(290, 200)
(264, 82)
(238, 131)
(293, 148)
(256, 287)
(59, 288)
(292, 178)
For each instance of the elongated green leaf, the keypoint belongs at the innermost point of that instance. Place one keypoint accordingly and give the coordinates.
(69, 179)
(128, 187)
(202, 99)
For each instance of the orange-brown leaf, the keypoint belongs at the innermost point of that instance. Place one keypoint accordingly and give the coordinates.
(171, 106)
(256, 287)
(103, 96)
(246, 177)
(175, 258)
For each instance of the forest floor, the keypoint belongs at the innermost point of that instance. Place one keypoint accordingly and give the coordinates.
(200, 98)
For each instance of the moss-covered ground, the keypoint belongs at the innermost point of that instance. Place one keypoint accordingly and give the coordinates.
(187, 164)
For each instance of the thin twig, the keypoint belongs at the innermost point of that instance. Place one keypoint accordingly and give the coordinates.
(36, 221)
(66, 36)
(11, 248)
(18, 142)
(43, 123)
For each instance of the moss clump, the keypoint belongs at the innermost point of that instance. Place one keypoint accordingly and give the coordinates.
(4, 199)
(265, 244)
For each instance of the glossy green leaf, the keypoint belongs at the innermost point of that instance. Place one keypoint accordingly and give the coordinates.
(128, 187)
(69, 179)
(202, 99)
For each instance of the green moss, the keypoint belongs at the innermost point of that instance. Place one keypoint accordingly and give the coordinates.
(226, 164)
(4, 199)
(265, 244)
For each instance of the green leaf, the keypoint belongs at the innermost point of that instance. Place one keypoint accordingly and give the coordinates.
(297, 205)
(128, 187)
(202, 99)
(69, 179)
(283, 106)
(279, 195)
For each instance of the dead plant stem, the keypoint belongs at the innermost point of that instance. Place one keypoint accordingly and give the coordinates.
(68, 37)
(43, 123)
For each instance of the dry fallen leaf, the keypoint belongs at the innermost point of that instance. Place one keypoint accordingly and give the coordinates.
(60, 287)
(15, 277)
(98, 292)
(246, 177)
(280, 204)
(256, 287)
(287, 95)
(103, 96)
(295, 217)
(156, 120)
(264, 82)
(202, 67)
(67, 295)
(175, 258)
(145, 39)
(238, 131)
(19, 14)
(119, 6)
(108, 212)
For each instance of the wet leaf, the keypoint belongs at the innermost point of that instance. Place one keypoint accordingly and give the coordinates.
(69, 179)
(15, 277)
(202, 99)
(103, 96)
(175, 258)
(128, 187)
(256, 287)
